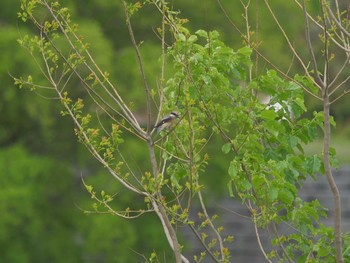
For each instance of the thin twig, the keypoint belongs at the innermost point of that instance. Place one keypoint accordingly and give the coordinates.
(280, 244)
(266, 59)
(140, 64)
(340, 71)
(321, 27)
(203, 244)
(341, 95)
(259, 241)
(221, 243)
(127, 114)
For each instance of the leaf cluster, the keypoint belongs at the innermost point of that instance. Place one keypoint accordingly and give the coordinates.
(264, 141)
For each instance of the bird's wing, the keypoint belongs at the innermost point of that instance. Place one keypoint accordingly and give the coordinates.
(162, 121)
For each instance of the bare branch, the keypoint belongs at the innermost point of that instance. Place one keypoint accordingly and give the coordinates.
(267, 60)
(281, 245)
(217, 234)
(141, 68)
(93, 93)
(340, 71)
(169, 232)
(326, 48)
(343, 47)
(203, 243)
(311, 51)
(336, 21)
(341, 95)
(127, 114)
(259, 241)
(88, 144)
(289, 42)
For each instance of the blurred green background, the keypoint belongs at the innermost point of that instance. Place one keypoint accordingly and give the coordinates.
(41, 164)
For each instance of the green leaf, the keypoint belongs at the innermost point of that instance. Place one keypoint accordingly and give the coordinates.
(332, 121)
(307, 83)
(300, 102)
(192, 39)
(268, 114)
(181, 37)
(286, 196)
(314, 164)
(273, 193)
(292, 86)
(230, 190)
(89, 188)
(293, 141)
(246, 51)
(226, 148)
(319, 117)
(214, 34)
(246, 185)
(333, 157)
(202, 33)
(311, 132)
(232, 170)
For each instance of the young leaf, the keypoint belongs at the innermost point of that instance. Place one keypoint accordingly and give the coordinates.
(226, 148)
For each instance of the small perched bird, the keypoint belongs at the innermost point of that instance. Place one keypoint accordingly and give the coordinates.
(166, 122)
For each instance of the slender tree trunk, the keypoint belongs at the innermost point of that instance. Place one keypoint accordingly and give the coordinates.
(330, 178)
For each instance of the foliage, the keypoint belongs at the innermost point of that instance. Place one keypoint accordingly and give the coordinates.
(267, 163)
(39, 211)
(18, 110)
(213, 88)
(33, 209)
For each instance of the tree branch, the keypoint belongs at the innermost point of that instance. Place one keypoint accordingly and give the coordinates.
(317, 76)
(141, 68)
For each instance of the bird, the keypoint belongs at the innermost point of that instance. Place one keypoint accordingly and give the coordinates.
(166, 122)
